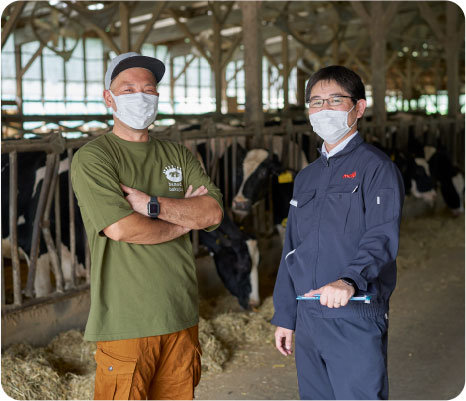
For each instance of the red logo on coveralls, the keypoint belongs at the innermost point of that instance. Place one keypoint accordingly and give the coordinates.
(352, 175)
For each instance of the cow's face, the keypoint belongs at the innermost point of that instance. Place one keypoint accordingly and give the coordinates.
(257, 167)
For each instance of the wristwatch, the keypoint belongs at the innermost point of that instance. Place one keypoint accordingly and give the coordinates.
(349, 281)
(153, 207)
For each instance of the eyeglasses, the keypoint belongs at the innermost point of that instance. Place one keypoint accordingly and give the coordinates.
(332, 101)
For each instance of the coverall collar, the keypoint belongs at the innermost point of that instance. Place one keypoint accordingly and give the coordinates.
(353, 144)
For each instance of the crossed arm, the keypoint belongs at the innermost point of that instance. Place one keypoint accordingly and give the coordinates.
(177, 217)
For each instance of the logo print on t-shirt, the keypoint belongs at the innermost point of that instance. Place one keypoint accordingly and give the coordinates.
(173, 173)
(174, 177)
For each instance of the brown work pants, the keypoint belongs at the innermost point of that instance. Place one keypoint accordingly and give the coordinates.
(165, 367)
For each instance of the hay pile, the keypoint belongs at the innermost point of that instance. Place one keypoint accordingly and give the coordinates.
(65, 368)
(62, 370)
(226, 331)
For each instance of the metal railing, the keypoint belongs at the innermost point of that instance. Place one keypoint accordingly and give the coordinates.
(217, 139)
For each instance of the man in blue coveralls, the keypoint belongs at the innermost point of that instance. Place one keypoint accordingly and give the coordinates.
(341, 241)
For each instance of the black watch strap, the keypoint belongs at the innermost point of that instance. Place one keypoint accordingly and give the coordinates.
(350, 282)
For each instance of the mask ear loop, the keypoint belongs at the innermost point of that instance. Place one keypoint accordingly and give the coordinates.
(114, 100)
(355, 121)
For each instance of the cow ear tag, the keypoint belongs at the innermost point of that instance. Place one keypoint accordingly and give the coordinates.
(285, 178)
(284, 221)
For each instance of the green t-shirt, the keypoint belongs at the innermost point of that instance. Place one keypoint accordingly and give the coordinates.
(136, 290)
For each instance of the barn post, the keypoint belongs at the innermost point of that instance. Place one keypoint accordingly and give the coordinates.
(19, 81)
(378, 53)
(58, 240)
(11, 21)
(452, 47)
(217, 60)
(55, 261)
(285, 69)
(17, 298)
(125, 31)
(71, 206)
(377, 21)
(37, 225)
(301, 82)
(252, 41)
(451, 37)
(172, 84)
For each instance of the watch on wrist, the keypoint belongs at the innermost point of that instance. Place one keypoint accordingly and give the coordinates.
(351, 282)
(153, 207)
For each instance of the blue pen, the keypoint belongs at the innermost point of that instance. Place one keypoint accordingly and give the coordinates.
(366, 298)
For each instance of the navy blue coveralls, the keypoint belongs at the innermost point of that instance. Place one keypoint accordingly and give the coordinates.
(343, 221)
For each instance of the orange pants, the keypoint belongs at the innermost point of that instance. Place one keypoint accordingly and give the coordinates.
(165, 367)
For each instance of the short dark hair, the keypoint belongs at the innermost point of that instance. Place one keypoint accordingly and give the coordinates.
(346, 78)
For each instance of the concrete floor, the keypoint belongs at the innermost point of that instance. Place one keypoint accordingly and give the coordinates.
(426, 335)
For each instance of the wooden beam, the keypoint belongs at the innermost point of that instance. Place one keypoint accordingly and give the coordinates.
(213, 9)
(361, 11)
(19, 82)
(217, 61)
(352, 53)
(172, 84)
(286, 67)
(106, 38)
(391, 60)
(390, 13)
(227, 12)
(254, 114)
(37, 53)
(237, 69)
(358, 62)
(231, 50)
(271, 59)
(187, 64)
(159, 6)
(451, 45)
(12, 20)
(125, 39)
(188, 33)
(431, 19)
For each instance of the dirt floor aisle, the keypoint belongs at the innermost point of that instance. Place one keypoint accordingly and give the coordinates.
(426, 335)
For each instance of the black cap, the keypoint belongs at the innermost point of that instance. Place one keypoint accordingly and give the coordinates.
(132, 60)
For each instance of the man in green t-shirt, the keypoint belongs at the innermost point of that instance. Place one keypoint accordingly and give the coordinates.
(139, 198)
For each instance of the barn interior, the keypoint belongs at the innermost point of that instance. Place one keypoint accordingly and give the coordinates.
(235, 78)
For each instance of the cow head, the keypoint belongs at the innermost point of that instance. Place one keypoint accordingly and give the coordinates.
(258, 165)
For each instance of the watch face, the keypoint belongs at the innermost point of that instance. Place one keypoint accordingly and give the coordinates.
(153, 208)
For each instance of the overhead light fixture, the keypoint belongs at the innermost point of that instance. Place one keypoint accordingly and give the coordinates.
(96, 6)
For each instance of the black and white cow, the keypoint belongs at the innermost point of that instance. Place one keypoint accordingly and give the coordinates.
(447, 176)
(258, 166)
(31, 171)
(415, 171)
(425, 169)
(236, 253)
(236, 258)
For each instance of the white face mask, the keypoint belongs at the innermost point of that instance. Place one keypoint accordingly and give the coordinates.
(331, 125)
(137, 110)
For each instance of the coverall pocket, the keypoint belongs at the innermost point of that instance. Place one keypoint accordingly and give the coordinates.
(341, 209)
(114, 376)
(305, 211)
(197, 368)
(384, 208)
